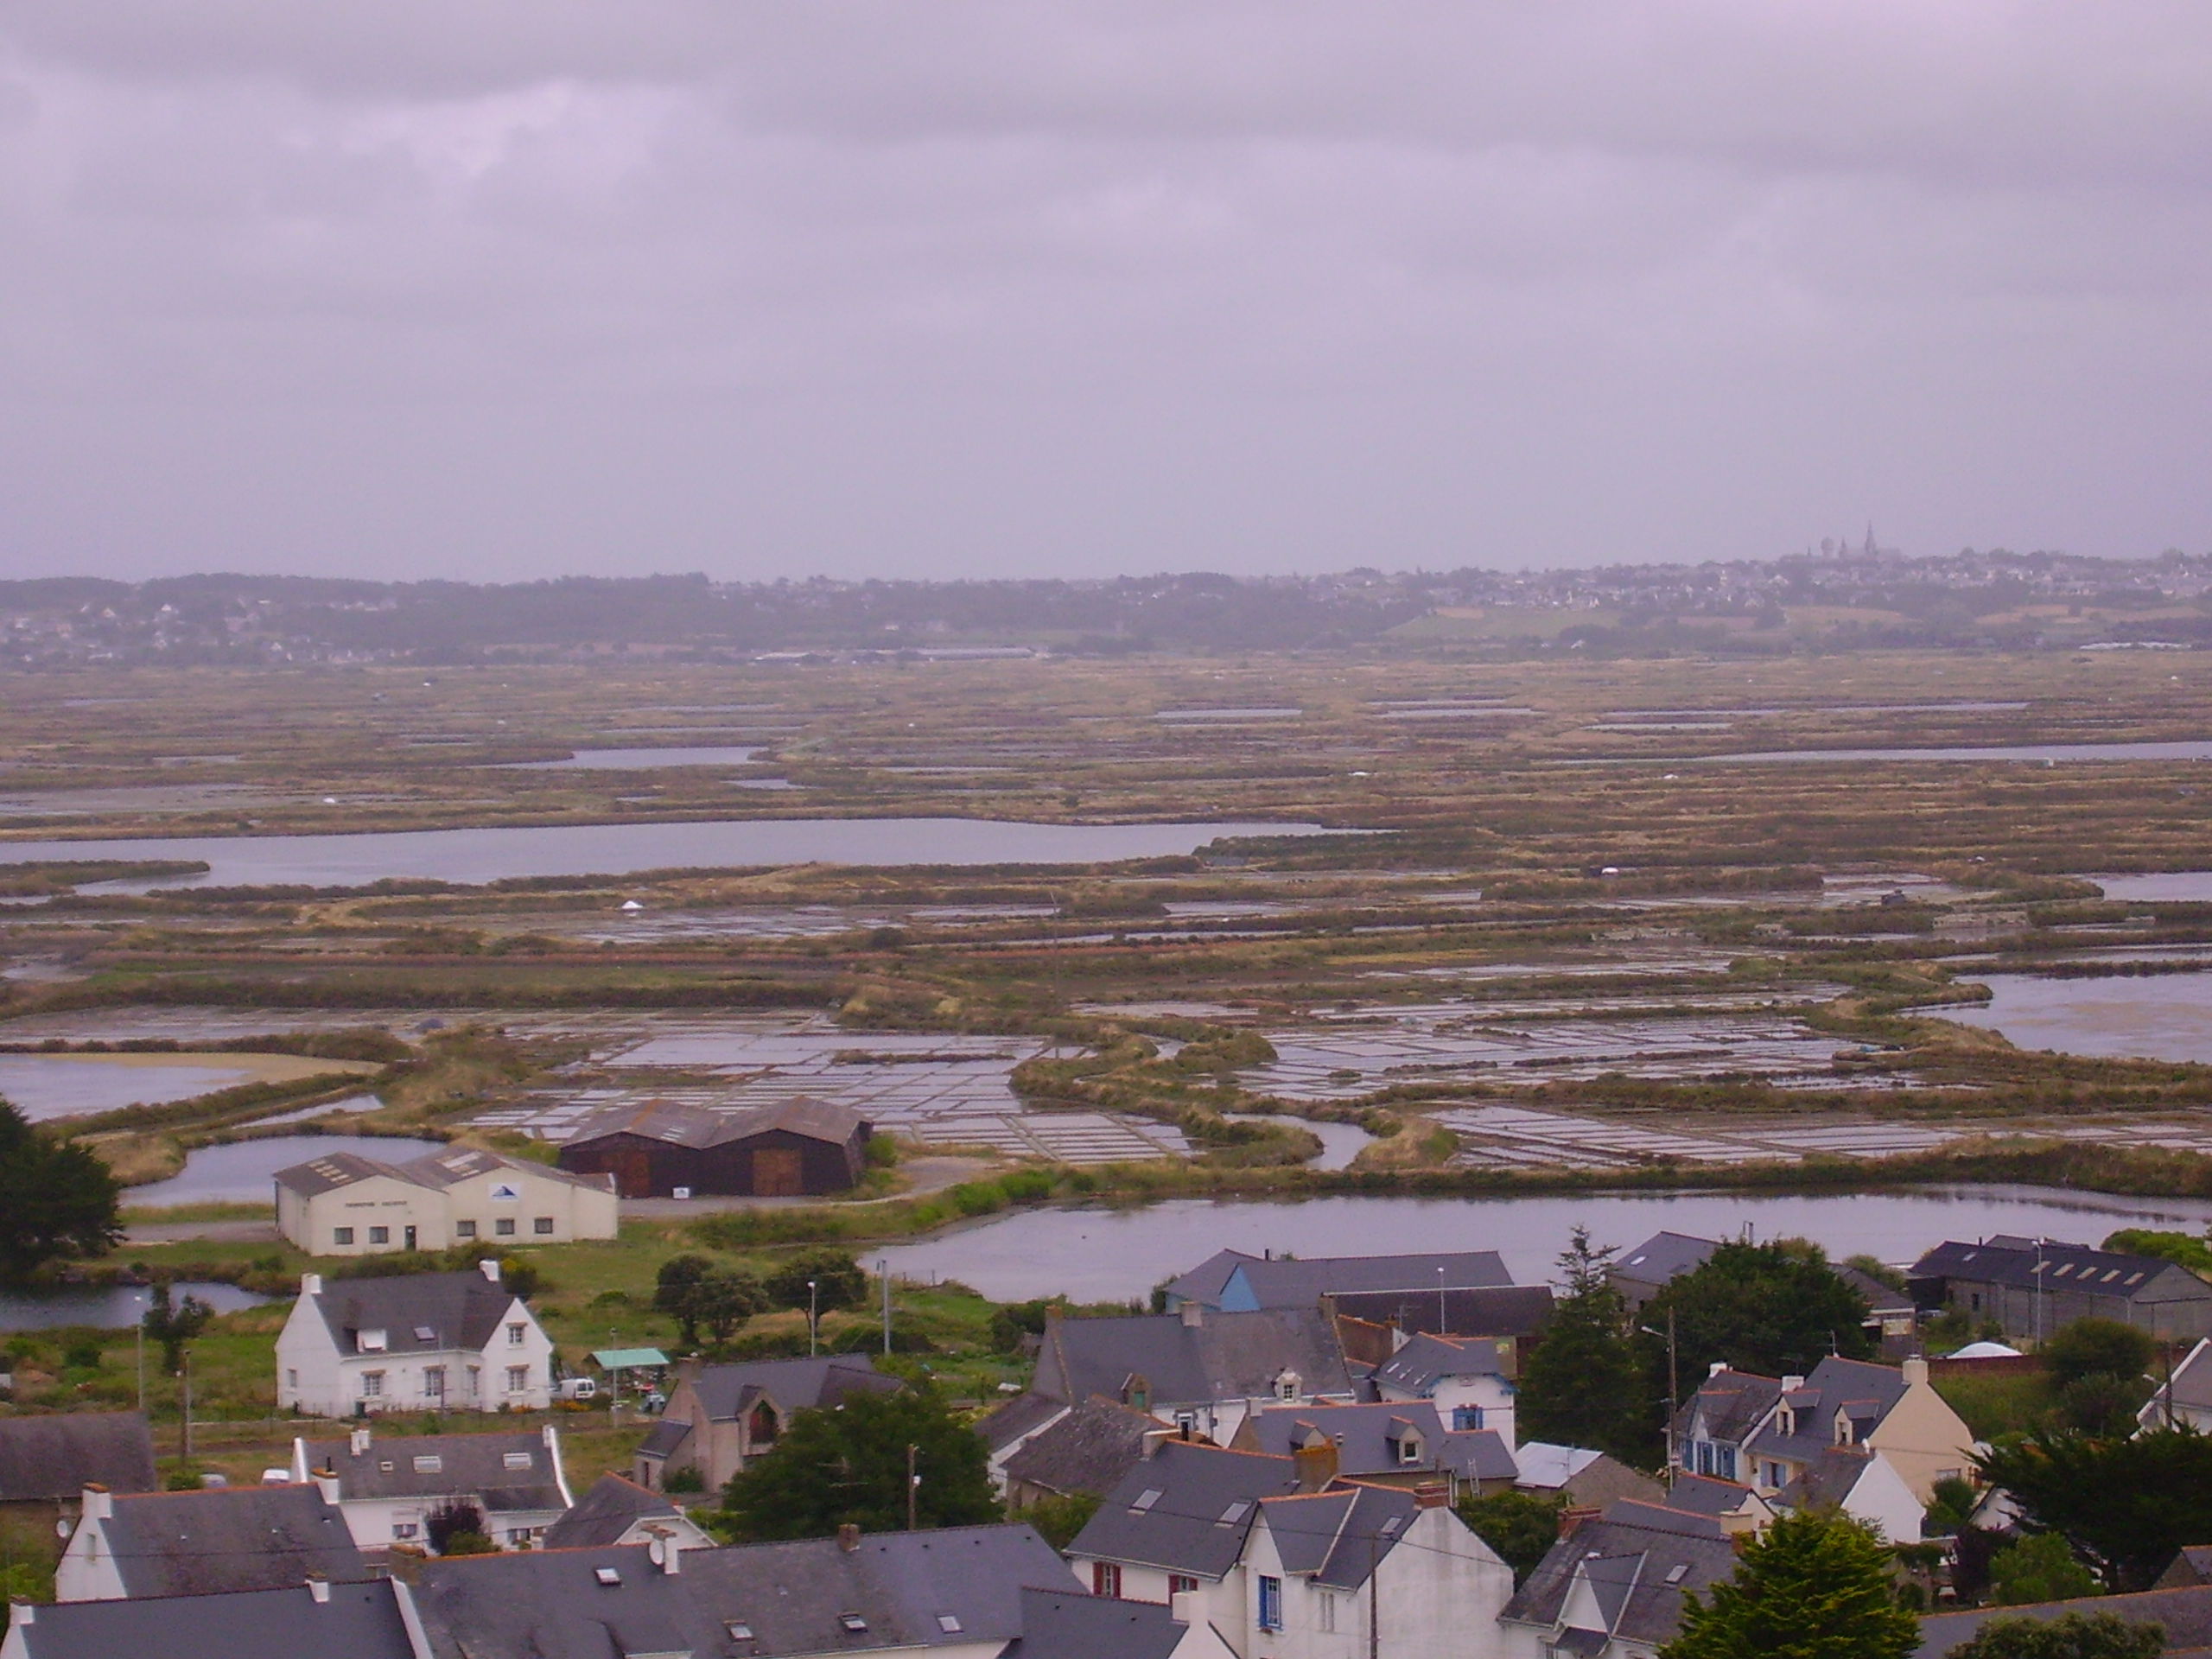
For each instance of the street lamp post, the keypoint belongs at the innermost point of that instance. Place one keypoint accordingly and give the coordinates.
(1673, 1397)
(813, 1316)
(1440, 1320)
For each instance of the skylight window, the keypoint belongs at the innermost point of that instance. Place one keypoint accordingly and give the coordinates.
(432, 1464)
(949, 1623)
(423, 1333)
(1233, 1513)
(1389, 1528)
(515, 1460)
(607, 1575)
(738, 1629)
(1676, 1573)
(1146, 1499)
(852, 1623)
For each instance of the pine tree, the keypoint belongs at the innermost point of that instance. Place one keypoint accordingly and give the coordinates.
(1813, 1586)
(1582, 1384)
(57, 1199)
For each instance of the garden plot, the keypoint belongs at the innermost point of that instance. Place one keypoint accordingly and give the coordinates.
(940, 1089)
(1509, 1136)
(1441, 1041)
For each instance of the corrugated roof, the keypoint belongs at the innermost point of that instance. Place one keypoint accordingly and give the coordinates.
(685, 1124)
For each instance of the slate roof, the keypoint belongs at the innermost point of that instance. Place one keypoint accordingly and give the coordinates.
(1225, 1356)
(2184, 1613)
(418, 1313)
(1087, 1451)
(242, 1538)
(1664, 1257)
(1495, 1311)
(1865, 1393)
(1302, 1281)
(1025, 1414)
(729, 1391)
(1340, 1536)
(664, 1439)
(1202, 1502)
(1424, 1361)
(449, 1166)
(602, 1515)
(1363, 1434)
(2192, 1567)
(958, 1586)
(359, 1621)
(1828, 1479)
(2012, 1261)
(57, 1455)
(1072, 1625)
(1705, 1495)
(701, 1127)
(1630, 1554)
(474, 1465)
(1732, 1403)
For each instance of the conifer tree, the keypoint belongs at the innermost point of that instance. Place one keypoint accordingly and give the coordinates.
(1582, 1383)
(1813, 1586)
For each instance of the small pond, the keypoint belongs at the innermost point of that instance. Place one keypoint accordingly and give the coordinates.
(110, 1307)
(1110, 1255)
(1340, 1142)
(240, 1173)
(490, 855)
(2157, 1017)
(68, 1085)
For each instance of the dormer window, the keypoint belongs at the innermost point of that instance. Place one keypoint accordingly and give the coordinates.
(1409, 1449)
(1785, 1422)
(373, 1342)
(1286, 1386)
(1842, 1429)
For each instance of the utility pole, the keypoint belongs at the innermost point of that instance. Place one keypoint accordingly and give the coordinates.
(142, 1366)
(1374, 1603)
(1673, 1397)
(914, 1486)
(813, 1316)
(186, 1452)
(882, 1272)
(1440, 1320)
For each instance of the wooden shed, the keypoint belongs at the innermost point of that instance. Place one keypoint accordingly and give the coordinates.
(660, 1149)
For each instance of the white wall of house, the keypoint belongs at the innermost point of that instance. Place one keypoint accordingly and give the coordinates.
(1440, 1592)
(1881, 1498)
(1218, 1603)
(315, 1380)
(378, 1522)
(86, 1571)
(1484, 1393)
(507, 1207)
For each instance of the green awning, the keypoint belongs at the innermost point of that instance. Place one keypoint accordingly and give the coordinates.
(627, 1359)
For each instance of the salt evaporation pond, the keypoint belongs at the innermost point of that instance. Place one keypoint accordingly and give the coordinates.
(241, 1172)
(2168, 888)
(2152, 1017)
(490, 855)
(110, 1307)
(70, 1085)
(638, 760)
(1102, 1254)
(2188, 750)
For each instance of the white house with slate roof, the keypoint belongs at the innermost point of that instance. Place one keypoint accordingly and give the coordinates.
(343, 1203)
(373, 1620)
(1230, 1281)
(1463, 1378)
(387, 1488)
(1281, 1572)
(412, 1342)
(1614, 1588)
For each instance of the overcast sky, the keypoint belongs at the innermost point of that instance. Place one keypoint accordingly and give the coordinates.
(512, 288)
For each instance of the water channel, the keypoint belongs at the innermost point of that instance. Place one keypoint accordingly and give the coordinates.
(2158, 1017)
(491, 855)
(1096, 1254)
(240, 1173)
(110, 1307)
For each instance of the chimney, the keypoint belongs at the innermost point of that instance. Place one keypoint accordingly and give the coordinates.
(1433, 1495)
(310, 1284)
(1183, 1606)
(1316, 1461)
(97, 1505)
(490, 1270)
(1571, 1517)
(849, 1537)
(21, 1612)
(360, 1440)
(1193, 1312)
(1156, 1437)
(1915, 1370)
(1791, 1384)
(665, 1550)
(326, 1481)
(687, 1370)
(319, 1587)
(1715, 1369)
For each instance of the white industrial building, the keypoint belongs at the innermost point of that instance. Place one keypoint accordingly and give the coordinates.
(343, 1203)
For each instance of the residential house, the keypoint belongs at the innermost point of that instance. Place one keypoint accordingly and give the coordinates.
(1198, 1369)
(330, 1621)
(1068, 1624)
(1578, 1477)
(387, 1487)
(1615, 1586)
(198, 1543)
(1083, 1453)
(1770, 1433)
(1736, 1506)
(345, 1203)
(719, 1417)
(954, 1594)
(2032, 1288)
(1374, 1324)
(620, 1511)
(2183, 1397)
(2192, 1566)
(1350, 1570)
(659, 1149)
(1008, 1427)
(1462, 1377)
(46, 1461)
(1404, 1444)
(411, 1342)
(2182, 1614)
(1892, 1318)
(1230, 1281)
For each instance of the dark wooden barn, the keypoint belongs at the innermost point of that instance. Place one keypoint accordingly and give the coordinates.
(660, 1149)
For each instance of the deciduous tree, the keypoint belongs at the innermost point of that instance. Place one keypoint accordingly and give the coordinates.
(849, 1464)
(1775, 1309)
(2070, 1636)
